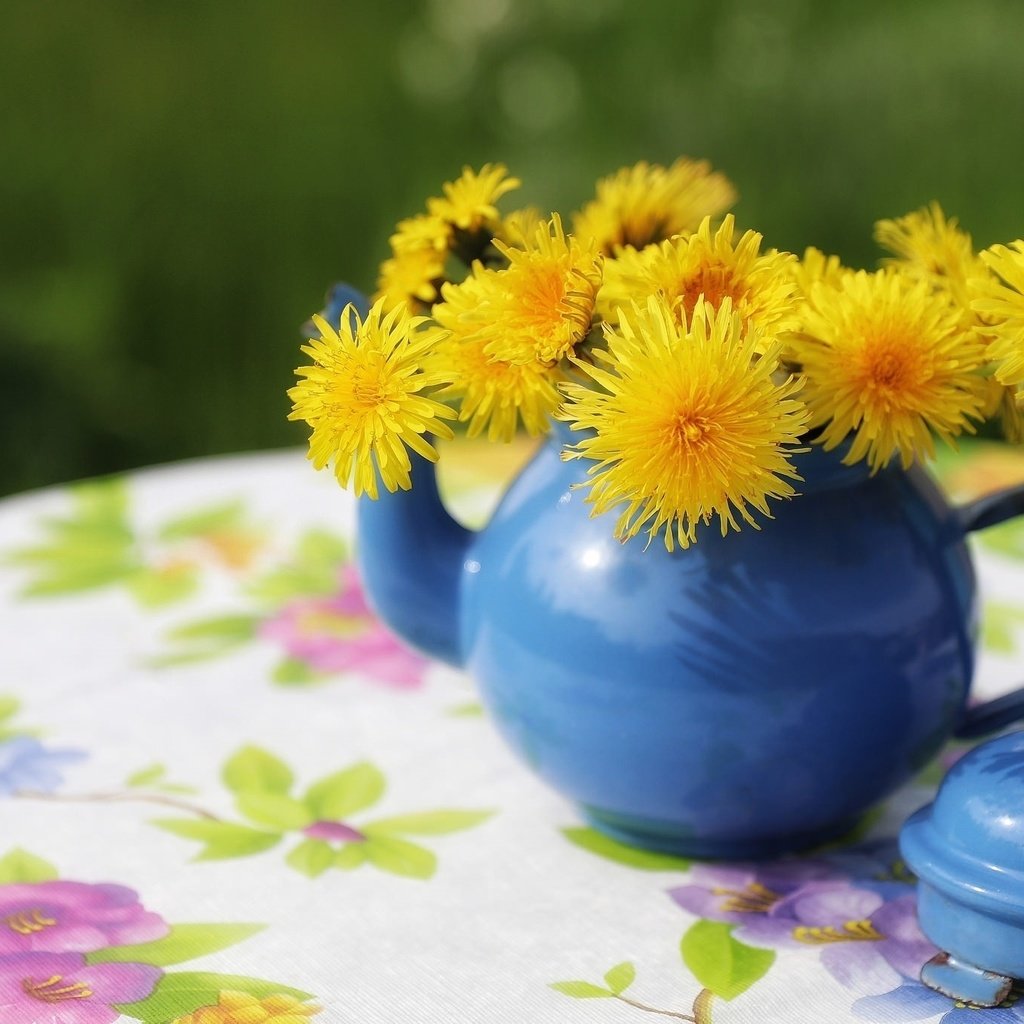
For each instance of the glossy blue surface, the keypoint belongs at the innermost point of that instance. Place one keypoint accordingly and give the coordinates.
(752, 694)
(338, 297)
(967, 849)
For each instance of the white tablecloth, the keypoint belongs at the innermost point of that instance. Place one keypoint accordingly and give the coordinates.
(218, 774)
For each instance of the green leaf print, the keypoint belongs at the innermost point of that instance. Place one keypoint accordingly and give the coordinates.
(426, 823)
(275, 810)
(620, 977)
(400, 857)
(592, 841)
(20, 866)
(146, 776)
(183, 992)
(262, 785)
(293, 672)
(224, 629)
(213, 519)
(70, 575)
(153, 588)
(207, 638)
(183, 942)
(97, 545)
(223, 840)
(312, 857)
(582, 990)
(346, 792)
(312, 572)
(253, 769)
(1001, 625)
(470, 709)
(9, 707)
(1006, 539)
(350, 856)
(722, 964)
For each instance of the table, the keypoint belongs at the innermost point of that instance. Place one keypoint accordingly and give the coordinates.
(224, 785)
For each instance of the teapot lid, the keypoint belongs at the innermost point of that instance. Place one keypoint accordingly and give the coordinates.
(969, 843)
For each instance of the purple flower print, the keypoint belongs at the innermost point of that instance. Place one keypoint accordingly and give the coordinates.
(867, 933)
(60, 988)
(866, 942)
(58, 917)
(341, 634)
(736, 893)
(26, 764)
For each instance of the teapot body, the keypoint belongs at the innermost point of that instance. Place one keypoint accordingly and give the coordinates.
(752, 694)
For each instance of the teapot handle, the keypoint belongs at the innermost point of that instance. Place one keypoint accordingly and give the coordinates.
(977, 515)
(991, 509)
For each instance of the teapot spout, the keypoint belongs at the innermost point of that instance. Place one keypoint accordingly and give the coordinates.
(411, 554)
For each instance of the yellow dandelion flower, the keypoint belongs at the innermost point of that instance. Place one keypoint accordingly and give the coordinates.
(930, 247)
(543, 303)
(520, 226)
(760, 286)
(1006, 402)
(1000, 296)
(626, 279)
(468, 202)
(1012, 414)
(364, 398)
(687, 424)
(817, 268)
(1007, 350)
(648, 203)
(410, 279)
(424, 231)
(243, 1008)
(493, 394)
(886, 362)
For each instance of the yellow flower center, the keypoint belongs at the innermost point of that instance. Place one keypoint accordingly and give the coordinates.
(242, 1008)
(692, 431)
(894, 369)
(889, 370)
(852, 931)
(541, 298)
(366, 387)
(52, 991)
(715, 282)
(27, 922)
(754, 898)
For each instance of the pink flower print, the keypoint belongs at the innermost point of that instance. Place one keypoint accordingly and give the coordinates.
(333, 832)
(341, 634)
(58, 917)
(60, 988)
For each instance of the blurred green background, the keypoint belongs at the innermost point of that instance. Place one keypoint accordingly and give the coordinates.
(179, 182)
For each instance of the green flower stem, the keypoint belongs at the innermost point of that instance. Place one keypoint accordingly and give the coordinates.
(702, 1006)
(147, 798)
(662, 1013)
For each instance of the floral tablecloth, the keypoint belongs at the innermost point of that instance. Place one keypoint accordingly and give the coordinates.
(228, 796)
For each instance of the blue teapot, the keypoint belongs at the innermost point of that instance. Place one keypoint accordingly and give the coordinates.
(750, 695)
(967, 849)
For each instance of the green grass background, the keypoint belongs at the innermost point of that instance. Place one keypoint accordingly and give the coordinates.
(180, 181)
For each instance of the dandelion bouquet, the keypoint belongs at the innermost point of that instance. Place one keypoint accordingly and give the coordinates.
(692, 362)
